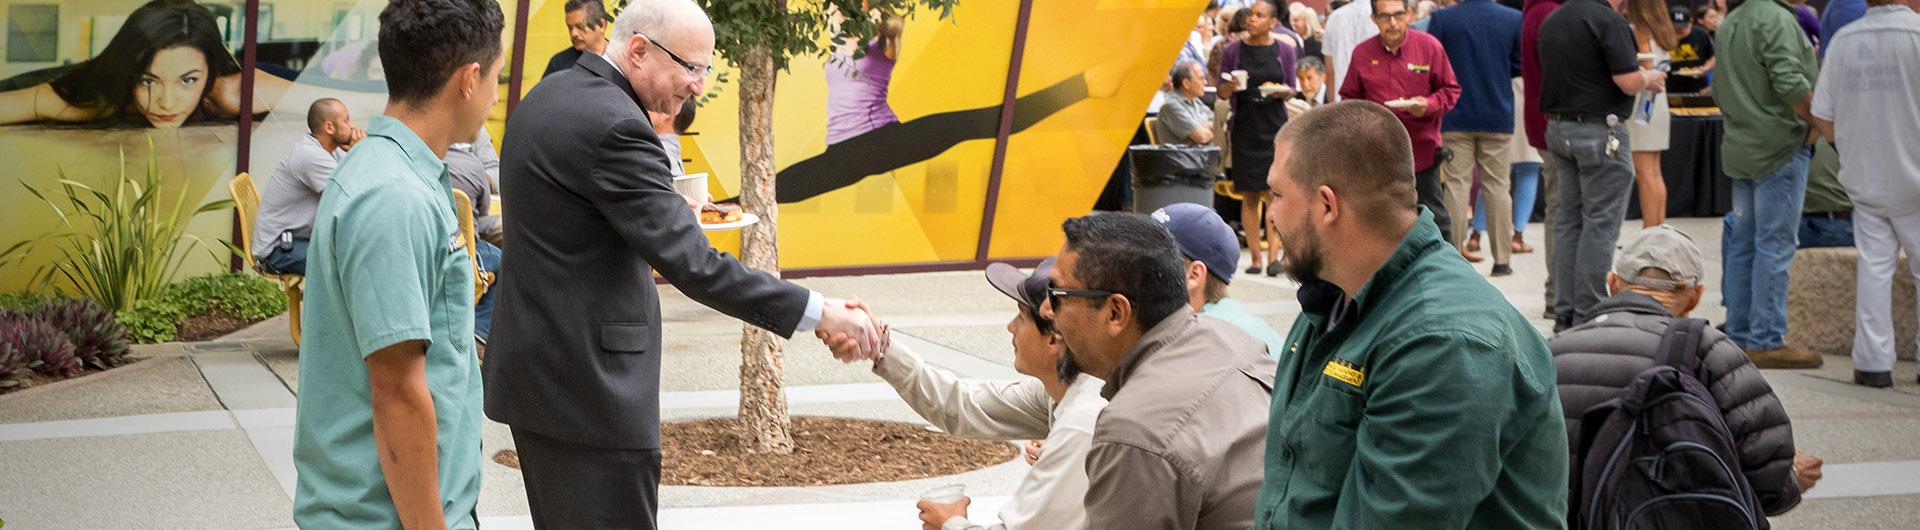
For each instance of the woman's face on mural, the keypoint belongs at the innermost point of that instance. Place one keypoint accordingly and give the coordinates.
(172, 86)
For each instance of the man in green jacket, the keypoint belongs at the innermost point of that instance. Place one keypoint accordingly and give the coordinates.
(1764, 85)
(1423, 400)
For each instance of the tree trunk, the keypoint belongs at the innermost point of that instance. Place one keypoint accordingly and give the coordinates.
(763, 399)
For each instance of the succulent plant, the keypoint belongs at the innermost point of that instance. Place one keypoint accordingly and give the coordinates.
(45, 346)
(15, 362)
(98, 339)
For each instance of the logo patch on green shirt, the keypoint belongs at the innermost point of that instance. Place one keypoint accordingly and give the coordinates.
(1346, 372)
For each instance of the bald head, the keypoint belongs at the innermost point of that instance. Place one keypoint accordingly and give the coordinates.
(678, 24)
(323, 111)
(1357, 148)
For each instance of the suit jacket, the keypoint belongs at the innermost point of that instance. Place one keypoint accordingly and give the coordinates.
(591, 213)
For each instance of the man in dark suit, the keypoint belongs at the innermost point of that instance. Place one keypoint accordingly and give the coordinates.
(586, 26)
(574, 362)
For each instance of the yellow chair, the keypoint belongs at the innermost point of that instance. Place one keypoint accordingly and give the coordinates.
(246, 201)
(481, 279)
(1151, 133)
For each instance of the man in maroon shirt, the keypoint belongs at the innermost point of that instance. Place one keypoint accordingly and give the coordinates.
(1407, 71)
(1533, 15)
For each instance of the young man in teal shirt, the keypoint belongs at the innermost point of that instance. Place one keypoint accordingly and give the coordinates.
(1411, 394)
(388, 426)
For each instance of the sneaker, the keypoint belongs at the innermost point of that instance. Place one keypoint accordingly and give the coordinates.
(1873, 379)
(1784, 357)
(1501, 269)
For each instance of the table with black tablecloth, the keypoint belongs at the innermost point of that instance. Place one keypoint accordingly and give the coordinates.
(1696, 185)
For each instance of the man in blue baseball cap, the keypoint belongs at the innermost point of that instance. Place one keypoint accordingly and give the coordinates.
(1211, 251)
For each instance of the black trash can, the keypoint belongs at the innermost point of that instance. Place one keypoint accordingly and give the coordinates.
(1167, 174)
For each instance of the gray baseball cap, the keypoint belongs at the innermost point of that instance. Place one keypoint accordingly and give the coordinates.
(1665, 248)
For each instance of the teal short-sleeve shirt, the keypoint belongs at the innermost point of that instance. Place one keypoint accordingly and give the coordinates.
(386, 265)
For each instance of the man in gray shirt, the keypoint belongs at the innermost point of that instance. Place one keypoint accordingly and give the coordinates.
(1184, 119)
(289, 198)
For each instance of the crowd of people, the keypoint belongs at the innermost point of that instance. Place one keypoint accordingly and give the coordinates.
(1409, 392)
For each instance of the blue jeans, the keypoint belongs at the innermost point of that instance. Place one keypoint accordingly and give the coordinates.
(1526, 187)
(1757, 247)
(1818, 230)
(489, 256)
(287, 260)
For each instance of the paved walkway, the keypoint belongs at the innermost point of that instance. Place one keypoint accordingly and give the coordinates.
(200, 435)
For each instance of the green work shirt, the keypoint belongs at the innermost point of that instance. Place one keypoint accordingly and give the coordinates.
(1766, 67)
(1430, 403)
(386, 265)
(1232, 311)
(1825, 194)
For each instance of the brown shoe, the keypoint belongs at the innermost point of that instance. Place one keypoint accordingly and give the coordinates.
(1473, 242)
(1471, 257)
(1785, 357)
(1520, 245)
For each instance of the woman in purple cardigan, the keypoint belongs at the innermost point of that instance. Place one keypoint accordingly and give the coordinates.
(1256, 119)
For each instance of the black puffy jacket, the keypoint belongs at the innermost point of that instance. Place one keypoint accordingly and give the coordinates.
(1600, 357)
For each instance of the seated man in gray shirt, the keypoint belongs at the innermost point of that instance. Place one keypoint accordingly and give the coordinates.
(474, 168)
(1184, 119)
(288, 199)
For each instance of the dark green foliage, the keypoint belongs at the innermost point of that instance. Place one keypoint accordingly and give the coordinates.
(242, 296)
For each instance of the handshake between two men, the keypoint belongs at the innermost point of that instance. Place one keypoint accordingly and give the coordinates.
(850, 330)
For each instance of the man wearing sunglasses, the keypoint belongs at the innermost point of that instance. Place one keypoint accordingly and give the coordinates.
(1179, 444)
(574, 360)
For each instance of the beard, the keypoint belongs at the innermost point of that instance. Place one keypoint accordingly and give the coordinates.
(1304, 260)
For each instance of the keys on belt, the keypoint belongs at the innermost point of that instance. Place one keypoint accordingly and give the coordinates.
(1613, 142)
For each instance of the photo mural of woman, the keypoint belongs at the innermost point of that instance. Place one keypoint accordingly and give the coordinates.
(865, 137)
(167, 67)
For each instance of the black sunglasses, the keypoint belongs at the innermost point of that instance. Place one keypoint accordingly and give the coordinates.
(697, 71)
(1055, 293)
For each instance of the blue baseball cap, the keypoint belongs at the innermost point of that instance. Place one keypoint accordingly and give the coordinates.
(1202, 236)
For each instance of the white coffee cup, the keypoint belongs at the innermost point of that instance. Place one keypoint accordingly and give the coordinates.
(1239, 78)
(693, 187)
(947, 494)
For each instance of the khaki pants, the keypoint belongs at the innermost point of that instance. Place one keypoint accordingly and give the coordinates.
(1489, 152)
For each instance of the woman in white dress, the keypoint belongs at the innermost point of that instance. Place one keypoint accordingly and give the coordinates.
(1647, 131)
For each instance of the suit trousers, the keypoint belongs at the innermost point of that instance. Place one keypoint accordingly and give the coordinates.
(1489, 152)
(571, 485)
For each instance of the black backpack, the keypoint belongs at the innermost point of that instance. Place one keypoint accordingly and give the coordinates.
(1659, 455)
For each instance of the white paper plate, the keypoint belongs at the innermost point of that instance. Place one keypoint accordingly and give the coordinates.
(1268, 91)
(1400, 103)
(746, 218)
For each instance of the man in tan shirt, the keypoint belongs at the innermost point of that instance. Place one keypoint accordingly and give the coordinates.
(1057, 404)
(1180, 445)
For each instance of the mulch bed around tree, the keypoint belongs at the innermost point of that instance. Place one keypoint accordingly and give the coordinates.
(826, 451)
(208, 327)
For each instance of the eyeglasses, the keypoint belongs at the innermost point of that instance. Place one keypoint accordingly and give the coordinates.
(696, 70)
(1054, 294)
(1396, 15)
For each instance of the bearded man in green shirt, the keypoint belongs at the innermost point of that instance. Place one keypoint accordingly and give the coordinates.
(1411, 394)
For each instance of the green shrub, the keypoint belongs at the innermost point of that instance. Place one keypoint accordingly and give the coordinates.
(121, 243)
(98, 340)
(21, 301)
(242, 296)
(151, 321)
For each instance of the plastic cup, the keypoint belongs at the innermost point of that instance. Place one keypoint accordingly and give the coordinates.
(947, 494)
(693, 187)
(1240, 78)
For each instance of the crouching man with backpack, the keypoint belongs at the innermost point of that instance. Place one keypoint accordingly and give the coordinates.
(1670, 425)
